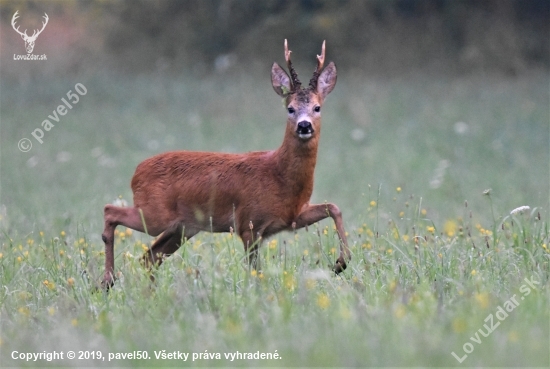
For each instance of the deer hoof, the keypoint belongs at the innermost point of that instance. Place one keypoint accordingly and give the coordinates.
(339, 266)
(107, 283)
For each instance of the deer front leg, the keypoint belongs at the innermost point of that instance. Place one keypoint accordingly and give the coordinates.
(313, 214)
(115, 216)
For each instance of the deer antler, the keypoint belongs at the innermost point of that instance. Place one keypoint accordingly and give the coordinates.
(43, 26)
(317, 72)
(13, 19)
(24, 34)
(293, 76)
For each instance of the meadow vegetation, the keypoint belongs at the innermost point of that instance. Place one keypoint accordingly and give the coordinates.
(426, 170)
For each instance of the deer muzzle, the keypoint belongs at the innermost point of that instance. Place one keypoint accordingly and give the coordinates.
(304, 129)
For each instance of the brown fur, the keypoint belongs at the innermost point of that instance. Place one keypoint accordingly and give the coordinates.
(180, 193)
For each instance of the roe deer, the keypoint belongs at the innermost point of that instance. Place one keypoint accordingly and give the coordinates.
(181, 193)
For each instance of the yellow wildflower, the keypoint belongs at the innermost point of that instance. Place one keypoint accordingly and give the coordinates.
(459, 325)
(290, 282)
(323, 301)
(310, 283)
(232, 327)
(482, 299)
(400, 311)
(345, 313)
(450, 227)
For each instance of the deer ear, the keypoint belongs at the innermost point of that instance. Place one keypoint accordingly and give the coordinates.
(280, 80)
(326, 81)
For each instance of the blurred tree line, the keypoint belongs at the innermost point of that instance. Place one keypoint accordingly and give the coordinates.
(375, 36)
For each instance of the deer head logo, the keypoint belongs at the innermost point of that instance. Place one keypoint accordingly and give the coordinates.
(29, 40)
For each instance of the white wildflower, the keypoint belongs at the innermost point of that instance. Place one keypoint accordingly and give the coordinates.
(519, 210)
(120, 202)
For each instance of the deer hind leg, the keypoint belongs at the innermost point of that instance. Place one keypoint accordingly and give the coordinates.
(313, 214)
(115, 216)
(168, 243)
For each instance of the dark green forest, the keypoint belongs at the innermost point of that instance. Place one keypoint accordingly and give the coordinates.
(384, 37)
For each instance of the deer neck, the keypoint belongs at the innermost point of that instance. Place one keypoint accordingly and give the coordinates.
(295, 162)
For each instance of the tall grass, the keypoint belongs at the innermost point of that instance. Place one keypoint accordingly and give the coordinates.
(412, 295)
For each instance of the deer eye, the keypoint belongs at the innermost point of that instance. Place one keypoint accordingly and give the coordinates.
(291, 110)
(317, 109)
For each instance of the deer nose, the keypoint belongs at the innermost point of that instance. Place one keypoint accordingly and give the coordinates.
(304, 128)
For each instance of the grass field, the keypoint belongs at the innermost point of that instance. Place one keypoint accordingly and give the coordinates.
(426, 171)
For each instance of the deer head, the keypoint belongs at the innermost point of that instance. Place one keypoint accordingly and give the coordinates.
(29, 40)
(304, 104)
